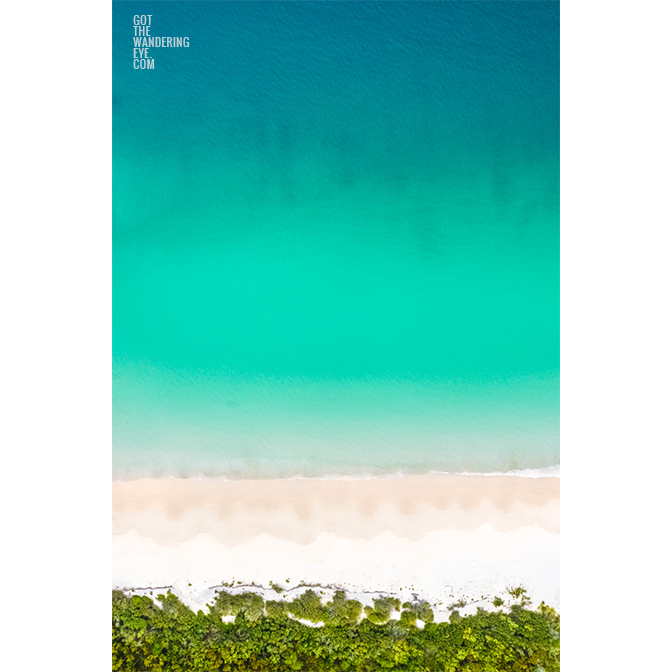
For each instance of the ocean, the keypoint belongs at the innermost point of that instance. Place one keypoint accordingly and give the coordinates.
(336, 239)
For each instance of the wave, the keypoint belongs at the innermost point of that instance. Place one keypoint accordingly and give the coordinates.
(543, 472)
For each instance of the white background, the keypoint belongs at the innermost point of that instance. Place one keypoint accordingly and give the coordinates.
(55, 266)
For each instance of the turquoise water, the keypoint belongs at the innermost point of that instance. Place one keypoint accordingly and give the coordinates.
(336, 239)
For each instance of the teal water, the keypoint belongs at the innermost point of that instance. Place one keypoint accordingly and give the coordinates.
(335, 239)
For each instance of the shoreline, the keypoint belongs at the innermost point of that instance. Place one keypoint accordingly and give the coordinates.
(445, 537)
(536, 472)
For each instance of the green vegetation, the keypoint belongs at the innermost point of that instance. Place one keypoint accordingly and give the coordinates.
(264, 637)
(249, 605)
(380, 612)
(309, 607)
(519, 594)
(418, 610)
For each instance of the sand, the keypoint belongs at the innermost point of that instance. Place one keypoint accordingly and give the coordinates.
(442, 537)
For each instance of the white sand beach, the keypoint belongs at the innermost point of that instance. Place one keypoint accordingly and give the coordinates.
(443, 538)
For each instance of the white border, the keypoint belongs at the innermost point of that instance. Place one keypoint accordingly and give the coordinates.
(56, 335)
(615, 335)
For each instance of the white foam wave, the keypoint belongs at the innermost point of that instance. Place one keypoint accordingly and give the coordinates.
(543, 472)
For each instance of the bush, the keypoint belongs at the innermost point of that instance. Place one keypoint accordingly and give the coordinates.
(146, 637)
(380, 612)
(250, 605)
(421, 610)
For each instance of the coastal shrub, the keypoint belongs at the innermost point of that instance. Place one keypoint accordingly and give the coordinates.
(308, 607)
(147, 637)
(380, 612)
(420, 609)
(552, 617)
(250, 605)
(276, 609)
(341, 611)
(519, 593)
